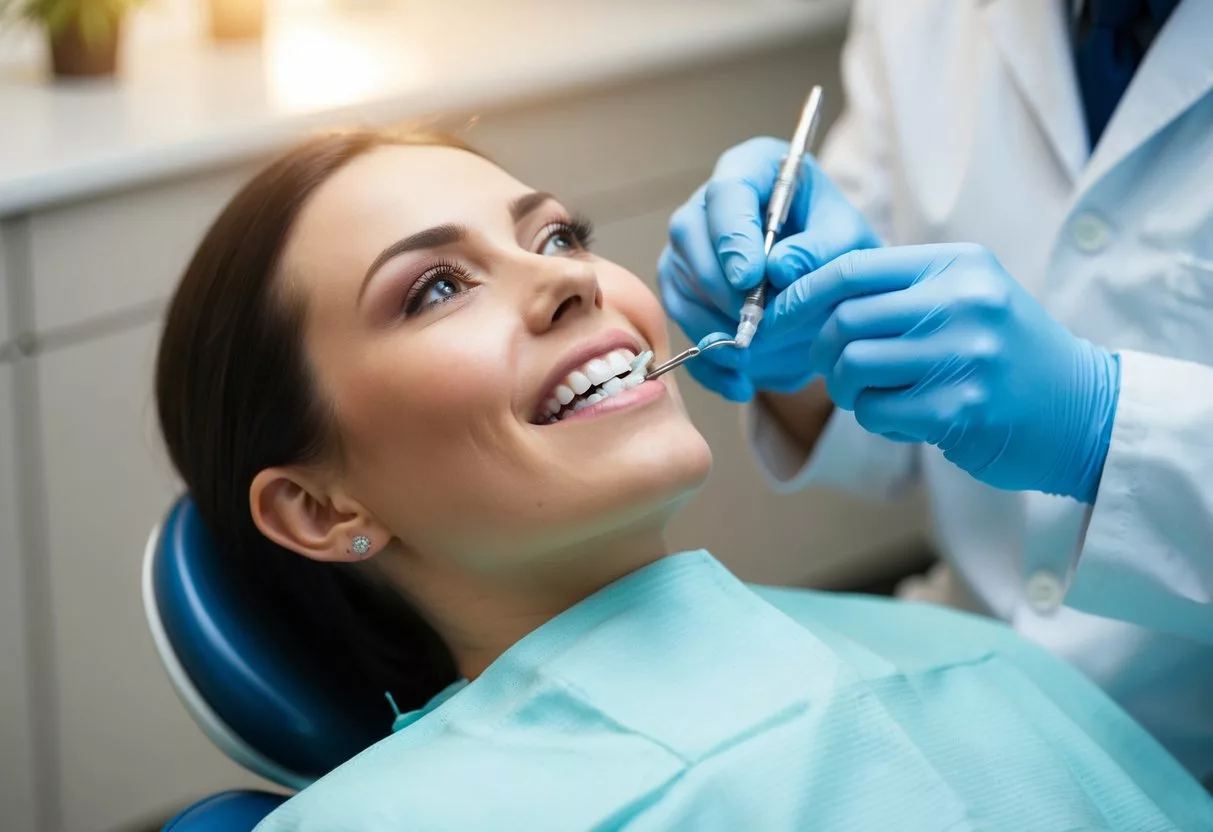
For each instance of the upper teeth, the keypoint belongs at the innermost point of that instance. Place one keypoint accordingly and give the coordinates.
(603, 373)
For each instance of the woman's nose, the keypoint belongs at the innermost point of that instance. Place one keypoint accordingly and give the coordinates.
(561, 289)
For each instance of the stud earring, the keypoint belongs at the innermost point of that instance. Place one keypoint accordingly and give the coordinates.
(361, 545)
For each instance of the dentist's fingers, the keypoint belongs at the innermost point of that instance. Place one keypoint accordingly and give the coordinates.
(832, 227)
(690, 257)
(901, 415)
(883, 364)
(864, 318)
(725, 381)
(698, 320)
(735, 198)
(811, 299)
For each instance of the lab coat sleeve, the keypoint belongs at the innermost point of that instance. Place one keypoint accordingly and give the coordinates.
(1147, 555)
(845, 458)
(857, 155)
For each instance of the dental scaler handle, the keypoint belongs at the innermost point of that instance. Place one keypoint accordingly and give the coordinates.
(777, 209)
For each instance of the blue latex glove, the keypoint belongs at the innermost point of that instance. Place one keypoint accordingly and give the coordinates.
(938, 344)
(715, 255)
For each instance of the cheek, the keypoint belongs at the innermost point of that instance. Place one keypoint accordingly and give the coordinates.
(414, 408)
(628, 294)
(426, 381)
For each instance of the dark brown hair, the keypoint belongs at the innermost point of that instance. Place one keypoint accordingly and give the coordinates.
(236, 396)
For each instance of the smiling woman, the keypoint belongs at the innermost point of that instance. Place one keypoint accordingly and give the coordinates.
(408, 398)
(384, 320)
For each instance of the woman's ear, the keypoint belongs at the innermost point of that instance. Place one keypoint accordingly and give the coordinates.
(295, 509)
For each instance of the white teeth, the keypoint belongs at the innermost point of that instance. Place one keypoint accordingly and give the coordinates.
(598, 371)
(580, 382)
(619, 364)
(618, 370)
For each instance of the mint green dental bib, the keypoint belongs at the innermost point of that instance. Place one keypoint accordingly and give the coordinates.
(680, 698)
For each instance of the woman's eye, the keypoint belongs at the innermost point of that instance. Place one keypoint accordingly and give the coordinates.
(433, 290)
(566, 236)
(560, 241)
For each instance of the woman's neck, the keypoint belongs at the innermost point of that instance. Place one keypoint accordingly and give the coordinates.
(481, 615)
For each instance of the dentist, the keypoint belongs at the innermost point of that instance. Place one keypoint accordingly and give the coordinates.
(1035, 345)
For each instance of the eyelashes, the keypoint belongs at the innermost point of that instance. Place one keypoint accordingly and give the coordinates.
(438, 278)
(579, 227)
(448, 279)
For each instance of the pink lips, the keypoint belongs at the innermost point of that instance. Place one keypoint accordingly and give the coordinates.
(639, 395)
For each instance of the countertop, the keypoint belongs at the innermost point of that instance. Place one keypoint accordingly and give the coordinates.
(182, 104)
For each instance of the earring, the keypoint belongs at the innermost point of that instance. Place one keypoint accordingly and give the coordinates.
(361, 545)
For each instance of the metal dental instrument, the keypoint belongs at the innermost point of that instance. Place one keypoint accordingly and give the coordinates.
(777, 209)
(686, 355)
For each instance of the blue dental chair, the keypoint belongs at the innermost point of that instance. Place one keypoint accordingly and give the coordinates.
(233, 672)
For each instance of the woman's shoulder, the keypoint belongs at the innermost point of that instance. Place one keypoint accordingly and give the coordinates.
(521, 773)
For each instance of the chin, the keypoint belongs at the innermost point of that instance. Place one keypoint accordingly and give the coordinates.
(655, 475)
(644, 482)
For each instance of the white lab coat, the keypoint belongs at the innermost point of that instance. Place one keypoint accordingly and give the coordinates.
(963, 122)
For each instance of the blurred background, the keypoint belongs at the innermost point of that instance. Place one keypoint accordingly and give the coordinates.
(125, 125)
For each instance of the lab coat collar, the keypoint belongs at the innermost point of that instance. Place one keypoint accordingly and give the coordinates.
(1176, 73)
(1033, 38)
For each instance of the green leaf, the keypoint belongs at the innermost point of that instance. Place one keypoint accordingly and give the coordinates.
(96, 18)
(95, 24)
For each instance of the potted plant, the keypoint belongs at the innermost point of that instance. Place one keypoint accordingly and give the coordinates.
(83, 34)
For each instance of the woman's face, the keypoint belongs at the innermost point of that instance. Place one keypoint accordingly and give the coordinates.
(451, 310)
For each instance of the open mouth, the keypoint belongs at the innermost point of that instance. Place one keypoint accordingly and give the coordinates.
(599, 378)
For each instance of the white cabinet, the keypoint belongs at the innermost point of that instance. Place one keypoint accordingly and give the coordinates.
(17, 763)
(126, 748)
(6, 229)
(112, 256)
(17, 799)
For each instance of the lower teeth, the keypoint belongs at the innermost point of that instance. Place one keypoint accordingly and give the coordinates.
(594, 395)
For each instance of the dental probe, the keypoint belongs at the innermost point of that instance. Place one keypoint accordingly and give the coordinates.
(686, 355)
(777, 209)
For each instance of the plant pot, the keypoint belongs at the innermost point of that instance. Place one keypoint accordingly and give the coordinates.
(237, 20)
(73, 57)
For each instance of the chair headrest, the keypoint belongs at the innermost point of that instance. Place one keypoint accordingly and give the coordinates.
(253, 689)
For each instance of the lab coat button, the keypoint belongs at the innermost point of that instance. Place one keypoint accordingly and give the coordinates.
(1044, 591)
(1090, 233)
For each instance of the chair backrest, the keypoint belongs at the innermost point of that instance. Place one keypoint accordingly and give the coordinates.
(256, 691)
(226, 812)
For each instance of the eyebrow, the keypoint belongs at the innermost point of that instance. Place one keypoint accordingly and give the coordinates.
(527, 203)
(448, 234)
(436, 237)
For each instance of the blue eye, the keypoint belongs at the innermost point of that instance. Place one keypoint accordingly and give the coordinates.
(439, 289)
(438, 285)
(566, 236)
(560, 241)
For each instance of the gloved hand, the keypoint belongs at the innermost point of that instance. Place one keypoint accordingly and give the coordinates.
(938, 344)
(715, 256)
